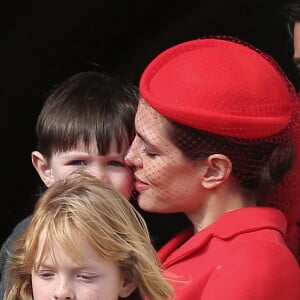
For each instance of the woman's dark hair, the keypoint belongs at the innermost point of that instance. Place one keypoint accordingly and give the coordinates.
(291, 12)
(258, 165)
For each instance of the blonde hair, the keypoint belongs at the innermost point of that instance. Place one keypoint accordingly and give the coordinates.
(115, 230)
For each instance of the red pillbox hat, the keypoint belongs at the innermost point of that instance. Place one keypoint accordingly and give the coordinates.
(221, 86)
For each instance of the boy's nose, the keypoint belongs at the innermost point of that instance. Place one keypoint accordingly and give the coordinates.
(101, 175)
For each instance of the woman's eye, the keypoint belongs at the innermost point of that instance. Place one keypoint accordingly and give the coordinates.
(78, 163)
(115, 163)
(149, 153)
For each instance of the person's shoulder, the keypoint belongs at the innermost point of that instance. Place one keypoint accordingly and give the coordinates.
(261, 270)
(6, 246)
(265, 255)
(18, 229)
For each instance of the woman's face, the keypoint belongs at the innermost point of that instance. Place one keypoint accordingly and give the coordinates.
(165, 179)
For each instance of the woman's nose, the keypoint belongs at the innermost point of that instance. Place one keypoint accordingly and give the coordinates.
(132, 158)
(128, 157)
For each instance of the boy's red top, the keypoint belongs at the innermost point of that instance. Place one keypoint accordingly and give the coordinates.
(242, 256)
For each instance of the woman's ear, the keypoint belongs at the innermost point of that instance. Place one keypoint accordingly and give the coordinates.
(42, 167)
(127, 288)
(218, 169)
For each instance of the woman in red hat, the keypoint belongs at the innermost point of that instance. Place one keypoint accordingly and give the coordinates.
(216, 132)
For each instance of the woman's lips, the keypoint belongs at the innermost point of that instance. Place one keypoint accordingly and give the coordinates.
(140, 186)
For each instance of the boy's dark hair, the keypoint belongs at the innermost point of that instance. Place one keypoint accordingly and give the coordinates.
(88, 105)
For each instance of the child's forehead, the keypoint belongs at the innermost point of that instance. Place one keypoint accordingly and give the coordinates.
(51, 242)
(80, 145)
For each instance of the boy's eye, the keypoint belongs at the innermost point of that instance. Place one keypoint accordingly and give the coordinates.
(115, 163)
(78, 163)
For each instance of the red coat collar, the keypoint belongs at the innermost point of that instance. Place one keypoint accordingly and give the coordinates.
(227, 226)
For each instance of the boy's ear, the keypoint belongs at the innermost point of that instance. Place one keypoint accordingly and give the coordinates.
(127, 288)
(42, 167)
(218, 169)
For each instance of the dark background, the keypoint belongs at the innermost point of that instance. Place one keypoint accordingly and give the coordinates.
(43, 42)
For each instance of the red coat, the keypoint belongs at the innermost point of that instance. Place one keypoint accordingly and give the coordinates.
(242, 256)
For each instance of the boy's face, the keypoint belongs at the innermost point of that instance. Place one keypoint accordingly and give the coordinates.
(109, 168)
